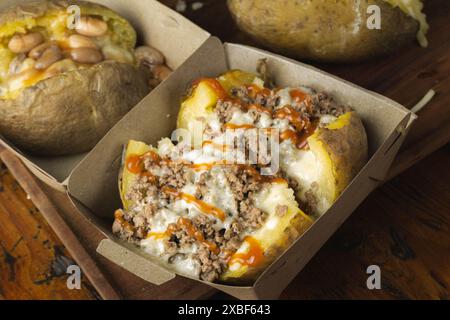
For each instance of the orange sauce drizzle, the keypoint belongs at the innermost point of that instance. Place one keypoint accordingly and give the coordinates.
(199, 204)
(190, 230)
(292, 115)
(299, 139)
(221, 147)
(232, 126)
(303, 126)
(255, 173)
(193, 232)
(135, 163)
(118, 215)
(252, 258)
(298, 95)
(254, 90)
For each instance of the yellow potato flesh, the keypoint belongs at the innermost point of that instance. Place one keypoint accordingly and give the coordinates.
(196, 110)
(127, 178)
(199, 105)
(236, 78)
(339, 158)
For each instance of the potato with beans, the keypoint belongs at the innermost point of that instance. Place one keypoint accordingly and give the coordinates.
(62, 87)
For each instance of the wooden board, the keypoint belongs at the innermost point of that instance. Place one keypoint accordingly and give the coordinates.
(35, 194)
(33, 260)
(338, 270)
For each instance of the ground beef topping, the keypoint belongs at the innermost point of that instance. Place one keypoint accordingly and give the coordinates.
(318, 103)
(225, 109)
(324, 104)
(215, 243)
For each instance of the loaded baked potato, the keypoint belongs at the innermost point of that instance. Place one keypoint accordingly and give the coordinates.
(197, 216)
(204, 209)
(330, 31)
(322, 144)
(62, 87)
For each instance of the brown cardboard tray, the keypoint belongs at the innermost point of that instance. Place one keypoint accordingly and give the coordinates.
(93, 184)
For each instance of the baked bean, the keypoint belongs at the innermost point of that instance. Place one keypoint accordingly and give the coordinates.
(50, 56)
(22, 43)
(37, 51)
(86, 55)
(91, 27)
(116, 53)
(148, 56)
(161, 72)
(78, 41)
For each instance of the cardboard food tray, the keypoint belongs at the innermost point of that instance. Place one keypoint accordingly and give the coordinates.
(156, 25)
(93, 184)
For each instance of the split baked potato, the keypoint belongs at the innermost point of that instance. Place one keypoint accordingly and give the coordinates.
(188, 213)
(204, 209)
(331, 31)
(63, 85)
(323, 144)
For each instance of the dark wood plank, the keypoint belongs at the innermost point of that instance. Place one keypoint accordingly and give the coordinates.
(62, 230)
(32, 258)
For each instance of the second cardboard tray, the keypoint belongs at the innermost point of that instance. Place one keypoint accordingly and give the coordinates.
(93, 184)
(156, 25)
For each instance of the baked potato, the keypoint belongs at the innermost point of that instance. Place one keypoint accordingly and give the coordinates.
(198, 218)
(330, 31)
(63, 86)
(323, 144)
(204, 209)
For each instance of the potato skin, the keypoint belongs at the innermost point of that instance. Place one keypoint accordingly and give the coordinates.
(323, 30)
(71, 112)
(342, 148)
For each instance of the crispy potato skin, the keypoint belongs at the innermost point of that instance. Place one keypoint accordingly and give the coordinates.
(323, 30)
(71, 112)
(343, 150)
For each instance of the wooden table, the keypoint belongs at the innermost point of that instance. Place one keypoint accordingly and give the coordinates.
(404, 227)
